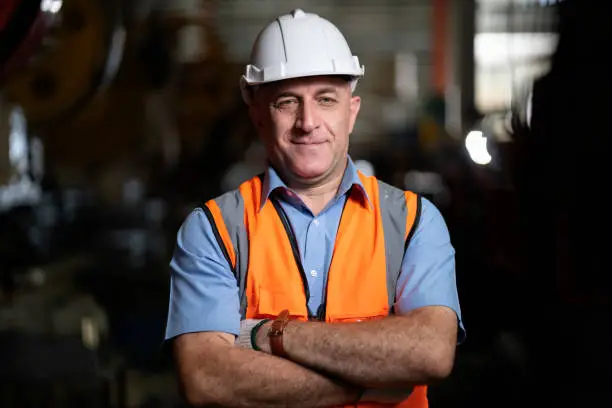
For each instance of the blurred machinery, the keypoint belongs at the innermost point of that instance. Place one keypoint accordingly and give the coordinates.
(24, 25)
(21, 159)
(106, 112)
(53, 334)
(63, 252)
(71, 63)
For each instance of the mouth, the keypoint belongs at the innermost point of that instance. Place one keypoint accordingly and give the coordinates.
(307, 142)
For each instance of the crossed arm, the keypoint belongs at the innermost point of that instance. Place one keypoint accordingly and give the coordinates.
(398, 351)
(329, 363)
(212, 372)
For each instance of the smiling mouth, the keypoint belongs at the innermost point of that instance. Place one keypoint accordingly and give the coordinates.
(307, 143)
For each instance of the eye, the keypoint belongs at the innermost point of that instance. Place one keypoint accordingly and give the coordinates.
(285, 104)
(326, 101)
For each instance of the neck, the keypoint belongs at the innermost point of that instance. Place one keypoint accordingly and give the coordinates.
(317, 196)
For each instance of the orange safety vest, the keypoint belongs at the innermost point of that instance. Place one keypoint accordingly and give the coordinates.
(361, 284)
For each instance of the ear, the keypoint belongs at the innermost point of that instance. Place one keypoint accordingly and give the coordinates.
(354, 111)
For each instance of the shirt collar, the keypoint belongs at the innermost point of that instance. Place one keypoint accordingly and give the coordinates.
(350, 179)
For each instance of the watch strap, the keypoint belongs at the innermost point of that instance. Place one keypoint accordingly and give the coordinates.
(275, 333)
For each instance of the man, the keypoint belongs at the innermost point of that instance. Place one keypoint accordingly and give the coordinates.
(299, 289)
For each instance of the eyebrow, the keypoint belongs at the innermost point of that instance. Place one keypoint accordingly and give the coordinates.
(327, 90)
(321, 91)
(285, 94)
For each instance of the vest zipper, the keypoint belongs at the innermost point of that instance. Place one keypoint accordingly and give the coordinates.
(322, 310)
(296, 251)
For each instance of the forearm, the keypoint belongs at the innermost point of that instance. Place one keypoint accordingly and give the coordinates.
(247, 378)
(389, 352)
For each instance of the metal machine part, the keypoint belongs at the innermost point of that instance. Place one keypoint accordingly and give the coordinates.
(21, 159)
(87, 42)
(24, 24)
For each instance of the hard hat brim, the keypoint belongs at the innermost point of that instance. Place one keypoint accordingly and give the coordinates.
(246, 83)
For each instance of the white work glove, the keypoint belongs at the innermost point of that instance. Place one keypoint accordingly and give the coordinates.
(246, 328)
(385, 396)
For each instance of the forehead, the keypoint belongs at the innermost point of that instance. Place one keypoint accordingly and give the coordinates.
(307, 85)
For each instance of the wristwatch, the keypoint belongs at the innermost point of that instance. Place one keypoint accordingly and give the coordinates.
(275, 333)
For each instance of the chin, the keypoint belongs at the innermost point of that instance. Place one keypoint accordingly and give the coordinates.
(309, 175)
(310, 172)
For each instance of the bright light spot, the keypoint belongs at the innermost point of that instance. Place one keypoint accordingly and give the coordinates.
(529, 109)
(51, 6)
(476, 145)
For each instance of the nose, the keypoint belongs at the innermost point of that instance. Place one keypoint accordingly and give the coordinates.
(307, 119)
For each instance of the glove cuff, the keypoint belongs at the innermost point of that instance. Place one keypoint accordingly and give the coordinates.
(254, 331)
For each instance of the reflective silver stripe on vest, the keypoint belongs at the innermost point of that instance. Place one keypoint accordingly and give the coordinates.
(393, 211)
(231, 205)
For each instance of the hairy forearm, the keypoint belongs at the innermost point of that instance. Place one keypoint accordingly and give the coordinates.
(389, 352)
(246, 378)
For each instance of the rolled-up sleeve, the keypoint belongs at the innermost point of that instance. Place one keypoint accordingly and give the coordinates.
(428, 275)
(203, 288)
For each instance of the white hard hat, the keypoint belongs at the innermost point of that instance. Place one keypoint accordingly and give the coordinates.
(296, 45)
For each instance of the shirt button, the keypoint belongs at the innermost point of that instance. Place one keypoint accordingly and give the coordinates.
(313, 273)
(316, 222)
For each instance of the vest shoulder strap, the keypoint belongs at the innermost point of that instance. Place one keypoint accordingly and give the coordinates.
(226, 216)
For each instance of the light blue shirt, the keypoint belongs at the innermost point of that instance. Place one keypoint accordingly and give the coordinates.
(204, 291)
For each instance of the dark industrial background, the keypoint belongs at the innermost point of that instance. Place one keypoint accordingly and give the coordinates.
(118, 117)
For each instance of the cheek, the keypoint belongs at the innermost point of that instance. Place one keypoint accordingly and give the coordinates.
(281, 130)
(339, 126)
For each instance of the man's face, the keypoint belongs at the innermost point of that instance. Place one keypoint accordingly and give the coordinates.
(305, 125)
